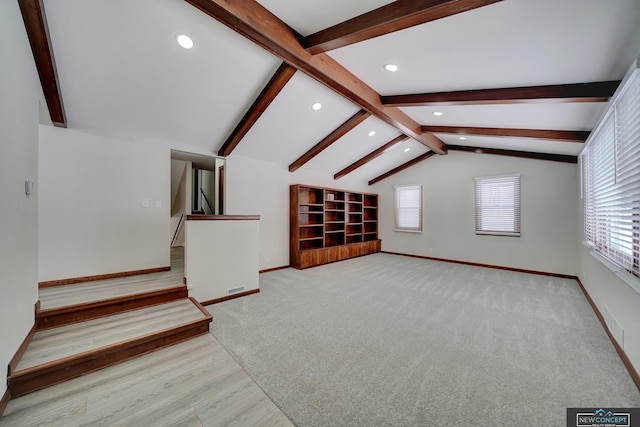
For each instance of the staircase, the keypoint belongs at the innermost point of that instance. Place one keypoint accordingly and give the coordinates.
(87, 326)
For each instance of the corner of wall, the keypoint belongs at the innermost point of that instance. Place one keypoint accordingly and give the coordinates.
(19, 111)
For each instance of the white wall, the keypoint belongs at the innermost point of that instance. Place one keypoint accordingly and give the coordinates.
(19, 93)
(178, 168)
(611, 294)
(255, 187)
(179, 171)
(549, 202)
(91, 217)
(221, 255)
(208, 186)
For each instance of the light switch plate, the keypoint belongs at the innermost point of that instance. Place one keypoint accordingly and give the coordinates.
(145, 203)
(28, 187)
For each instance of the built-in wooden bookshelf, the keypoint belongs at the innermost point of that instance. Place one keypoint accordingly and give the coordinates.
(327, 225)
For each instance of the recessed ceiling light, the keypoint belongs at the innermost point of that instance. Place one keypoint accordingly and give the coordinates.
(316, 106)
(463, 138)
(437, 113)
(373, 132)
(391, 67)
(184, 41)
(406, 150)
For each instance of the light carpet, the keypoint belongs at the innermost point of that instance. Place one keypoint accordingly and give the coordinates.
(387, 340)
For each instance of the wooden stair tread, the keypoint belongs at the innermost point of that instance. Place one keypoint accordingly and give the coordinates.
(50, 318)
(55, 343)
(61, 353)
(86, 292)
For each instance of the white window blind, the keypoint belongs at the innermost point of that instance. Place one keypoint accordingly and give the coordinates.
(408, 207)
(498, 205)
(611, 181)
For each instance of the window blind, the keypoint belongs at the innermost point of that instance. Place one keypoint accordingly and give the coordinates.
(408, 207)
(611, 181)
(498, 205)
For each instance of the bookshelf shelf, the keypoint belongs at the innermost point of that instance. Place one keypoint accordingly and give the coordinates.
(328, 225)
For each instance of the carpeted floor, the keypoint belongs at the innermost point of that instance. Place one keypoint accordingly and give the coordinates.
(386, 340)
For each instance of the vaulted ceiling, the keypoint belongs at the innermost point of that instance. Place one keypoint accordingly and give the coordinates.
(528, 78)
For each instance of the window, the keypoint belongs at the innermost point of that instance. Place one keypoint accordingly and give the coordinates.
(498, 205)
(610, 168)
(408, 207)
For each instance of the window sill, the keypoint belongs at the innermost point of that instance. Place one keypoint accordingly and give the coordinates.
(495, 233)
(407, 231)
(622, 274)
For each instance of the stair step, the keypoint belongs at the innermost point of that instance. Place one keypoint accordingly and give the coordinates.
(53, 317)
(77, 302)
(83, 292)
(61, 353)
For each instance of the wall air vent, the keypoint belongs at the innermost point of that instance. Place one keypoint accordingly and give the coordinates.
(235, 290)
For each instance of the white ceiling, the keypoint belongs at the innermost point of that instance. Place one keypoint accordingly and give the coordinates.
(391, 159)
(505, 44)
(122, 74)
(574, 116)
(308, 17)
(121, 71)
(518, 144)
(353, 146)
(290, 126)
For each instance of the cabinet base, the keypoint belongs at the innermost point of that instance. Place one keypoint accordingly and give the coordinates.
(313, 257)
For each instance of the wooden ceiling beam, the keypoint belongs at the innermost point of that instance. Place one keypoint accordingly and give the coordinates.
(564, 158)
(254, 22)
(389, 18)
(366, 159)
(564, 93)
(277, 82)
(560, 135)
(35, 22)
(342, 130)
(402, 167)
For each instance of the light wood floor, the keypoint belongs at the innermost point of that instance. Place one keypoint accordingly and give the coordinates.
(61, 296)
(195, 383)
(52, 344)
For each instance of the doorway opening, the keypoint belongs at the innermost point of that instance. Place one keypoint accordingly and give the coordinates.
(197, 188)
